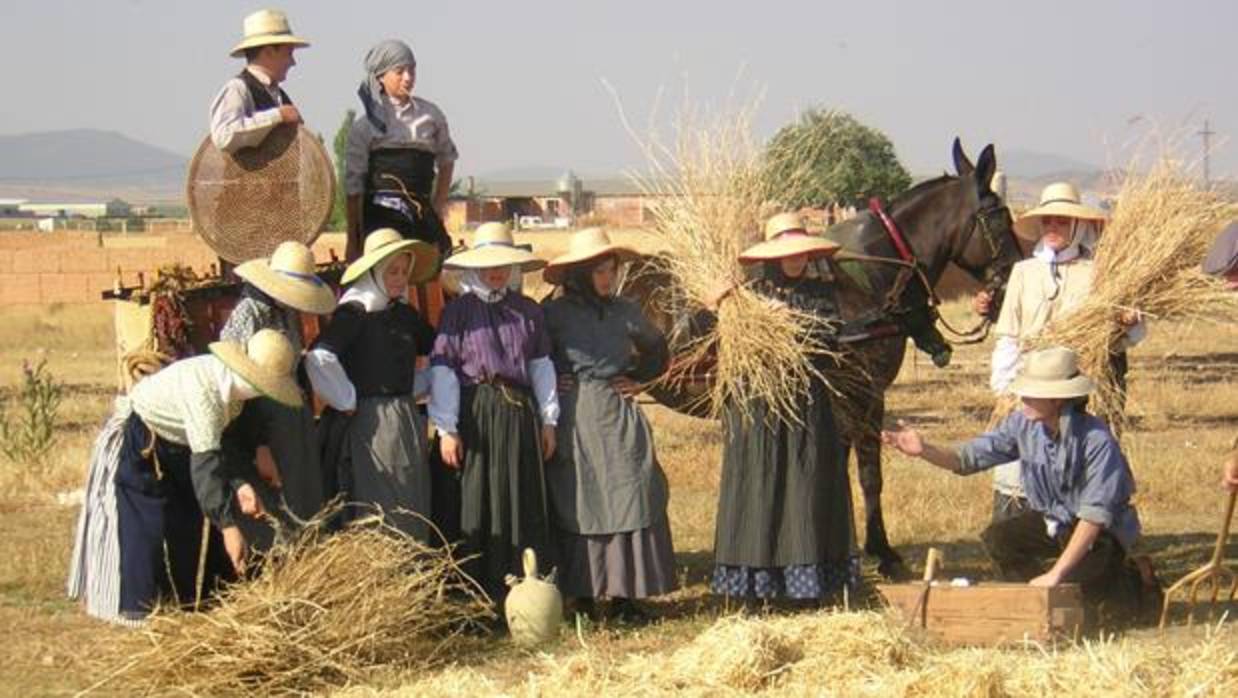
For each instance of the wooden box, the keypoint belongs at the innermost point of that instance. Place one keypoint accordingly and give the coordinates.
(989, 614)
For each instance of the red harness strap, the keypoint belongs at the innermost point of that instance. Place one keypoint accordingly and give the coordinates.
(896, 235)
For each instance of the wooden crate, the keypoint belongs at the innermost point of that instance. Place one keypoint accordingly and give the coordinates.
(989, 614)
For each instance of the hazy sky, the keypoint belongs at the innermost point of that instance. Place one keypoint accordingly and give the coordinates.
(521, 82)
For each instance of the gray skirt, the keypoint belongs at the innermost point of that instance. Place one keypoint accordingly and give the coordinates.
(632, 565)
(383, 462)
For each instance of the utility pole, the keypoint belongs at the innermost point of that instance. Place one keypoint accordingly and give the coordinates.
(1207, 135)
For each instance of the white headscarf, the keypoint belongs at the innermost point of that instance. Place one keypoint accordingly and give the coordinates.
(470, 282)
(1082, 244)
(369, 290)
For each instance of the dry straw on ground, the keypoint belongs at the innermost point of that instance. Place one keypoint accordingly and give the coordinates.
(325, 611)
(862, 654)
(709, 193)
(1147, 260)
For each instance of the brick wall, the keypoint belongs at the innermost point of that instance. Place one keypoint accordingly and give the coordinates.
(76, 267)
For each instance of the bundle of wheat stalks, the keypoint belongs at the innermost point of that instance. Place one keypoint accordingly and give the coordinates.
(709, 193)
(1147, 260)
(859, 654)
(324, 611)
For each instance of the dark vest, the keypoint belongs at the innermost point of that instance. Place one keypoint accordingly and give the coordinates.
(258, 92)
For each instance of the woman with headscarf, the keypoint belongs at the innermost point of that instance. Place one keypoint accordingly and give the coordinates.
(1055, 280)
(364, 365)
(607, 492)
(494, 405)
(400, 156)
(784, 526)
(275, 293)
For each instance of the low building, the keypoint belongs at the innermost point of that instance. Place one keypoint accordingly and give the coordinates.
(116, 208)
(616, 202)
(11, 207)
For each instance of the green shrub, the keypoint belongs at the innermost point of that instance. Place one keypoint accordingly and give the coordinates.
(28, 419)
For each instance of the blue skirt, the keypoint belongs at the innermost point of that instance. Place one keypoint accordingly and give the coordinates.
(817, 581)
(159, 527)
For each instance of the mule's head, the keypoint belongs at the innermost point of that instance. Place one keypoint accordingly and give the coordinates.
(986, 248)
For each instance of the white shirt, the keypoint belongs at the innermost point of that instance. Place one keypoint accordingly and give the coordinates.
(235, 123)
(190, 402)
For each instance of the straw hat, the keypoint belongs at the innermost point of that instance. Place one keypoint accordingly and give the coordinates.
(493, 246)
(267, 362)
(383, 243)
(785, 236)
(267, 28)
(1223, 255)
(289, 278)
(1051, 373)
(585, 245)
(1057, 199)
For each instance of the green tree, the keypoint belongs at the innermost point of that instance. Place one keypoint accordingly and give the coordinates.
(828, 157)
(339, 211)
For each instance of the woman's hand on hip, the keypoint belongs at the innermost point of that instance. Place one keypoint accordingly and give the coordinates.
(451, 448)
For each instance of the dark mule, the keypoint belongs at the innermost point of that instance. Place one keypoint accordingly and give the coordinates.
(949, 219)
(955, 219)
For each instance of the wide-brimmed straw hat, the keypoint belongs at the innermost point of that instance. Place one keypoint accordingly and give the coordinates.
(585, 245)
(385, 242)
(1223, 255)
(1051, 373)
(266, 28)
(267, 362)
(1057, 199)
(288, 277)
(786, 236)
(494, 246)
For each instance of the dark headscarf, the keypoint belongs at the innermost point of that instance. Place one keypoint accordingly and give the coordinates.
(578, 283)
(382, 57)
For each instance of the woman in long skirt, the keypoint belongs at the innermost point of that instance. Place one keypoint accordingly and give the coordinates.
(494, 406)
(364, 366)
(275, 293)
(785, 526)
(160, 520)
(608, 493)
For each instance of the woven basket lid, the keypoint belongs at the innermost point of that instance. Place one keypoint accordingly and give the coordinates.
(246, 203)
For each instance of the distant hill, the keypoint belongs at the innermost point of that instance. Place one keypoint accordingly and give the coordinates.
(1028, 164)
(89, 163)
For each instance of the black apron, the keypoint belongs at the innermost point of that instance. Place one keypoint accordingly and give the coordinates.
(398, 194)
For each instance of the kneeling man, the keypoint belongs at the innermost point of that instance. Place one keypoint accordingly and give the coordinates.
(1081, 523)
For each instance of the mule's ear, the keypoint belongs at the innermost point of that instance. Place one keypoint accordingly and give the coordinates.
(961, 164)
(985, 167)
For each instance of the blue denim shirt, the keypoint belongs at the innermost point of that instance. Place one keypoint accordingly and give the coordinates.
(1080, 475)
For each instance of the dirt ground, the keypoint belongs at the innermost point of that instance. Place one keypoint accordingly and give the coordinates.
(1182, 403)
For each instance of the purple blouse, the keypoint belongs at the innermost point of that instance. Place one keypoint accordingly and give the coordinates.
(480, 340)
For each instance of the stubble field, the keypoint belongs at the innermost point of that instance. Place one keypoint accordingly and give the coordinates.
(1184, 416)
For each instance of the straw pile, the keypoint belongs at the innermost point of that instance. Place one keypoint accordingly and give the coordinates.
(323, 612)
(709, 193)
(858, 654)
(1148, 260)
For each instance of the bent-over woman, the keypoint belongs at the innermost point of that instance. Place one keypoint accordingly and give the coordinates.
(159, 520)
(275, 293)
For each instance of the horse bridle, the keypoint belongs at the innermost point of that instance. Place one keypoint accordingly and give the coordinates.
(910, 268)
